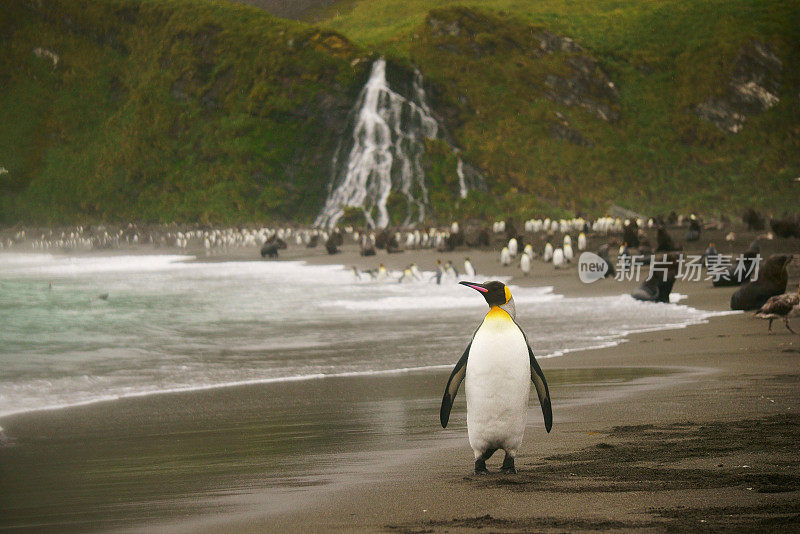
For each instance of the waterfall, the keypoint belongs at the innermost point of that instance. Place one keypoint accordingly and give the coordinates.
(462, 183)
(383, 154)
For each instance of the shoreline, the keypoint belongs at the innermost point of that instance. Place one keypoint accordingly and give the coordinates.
(412, 489)
(569, 288)
(244, 509)
(618, 339)
(545, 505)
(723, 355)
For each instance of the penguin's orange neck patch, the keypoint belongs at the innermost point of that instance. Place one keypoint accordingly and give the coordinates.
(498, 314)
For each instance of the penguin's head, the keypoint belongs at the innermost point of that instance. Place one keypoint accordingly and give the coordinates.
(496, 294)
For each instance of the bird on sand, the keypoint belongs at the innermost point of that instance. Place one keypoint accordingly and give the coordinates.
(781, 307)
(498, 367)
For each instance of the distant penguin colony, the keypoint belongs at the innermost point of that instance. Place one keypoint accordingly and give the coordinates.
(519, 251)
(498, 367)
(556, 241)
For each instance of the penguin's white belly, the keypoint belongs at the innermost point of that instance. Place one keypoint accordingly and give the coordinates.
(497, 386)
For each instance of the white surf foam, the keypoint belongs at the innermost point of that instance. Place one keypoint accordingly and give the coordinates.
(174, 325)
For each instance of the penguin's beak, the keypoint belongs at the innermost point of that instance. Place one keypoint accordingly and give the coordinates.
(476, 286)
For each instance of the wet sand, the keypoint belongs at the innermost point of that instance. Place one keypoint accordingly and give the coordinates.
(684, 429)
(712, 446)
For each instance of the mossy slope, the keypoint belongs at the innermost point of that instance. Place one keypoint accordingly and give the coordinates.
(164, 111)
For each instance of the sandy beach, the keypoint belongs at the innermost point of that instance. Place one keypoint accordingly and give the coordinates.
(258, 257)
(685, 429)
(711, 446)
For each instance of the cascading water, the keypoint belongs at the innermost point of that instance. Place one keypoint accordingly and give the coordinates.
(462, 183)
(384, 153)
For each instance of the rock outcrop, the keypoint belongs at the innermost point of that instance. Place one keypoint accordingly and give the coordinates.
(585, 85)
(752, 89)
(577, 80)
(560, 128)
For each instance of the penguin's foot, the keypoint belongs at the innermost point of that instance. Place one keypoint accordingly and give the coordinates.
(508, 466)
(480, 467)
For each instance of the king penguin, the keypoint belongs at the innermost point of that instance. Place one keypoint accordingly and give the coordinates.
(505, 257)
(469, 269)
(525, 264)
(498, 367)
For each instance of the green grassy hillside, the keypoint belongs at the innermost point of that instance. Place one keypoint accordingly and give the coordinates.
(664, 57)
(188, 110)
(164, 111)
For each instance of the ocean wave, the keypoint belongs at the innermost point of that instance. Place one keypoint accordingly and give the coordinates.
(205, 387)
(172, 324)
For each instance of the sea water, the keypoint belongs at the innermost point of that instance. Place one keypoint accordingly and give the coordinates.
(83, 329)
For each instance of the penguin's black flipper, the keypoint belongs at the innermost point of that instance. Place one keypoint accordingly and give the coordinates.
(453, 383)
(537, 376)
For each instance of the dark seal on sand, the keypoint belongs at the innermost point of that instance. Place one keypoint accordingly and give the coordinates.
(693, 234)
(753, 220)
(335, 240)
(663, 272)
(739, 273)
(630, 233)
(452, 241)
(367, 247)
(269, 249)
(785, 228)
(771, 281)
(603, 252)
(484, 239)
(664, 241)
